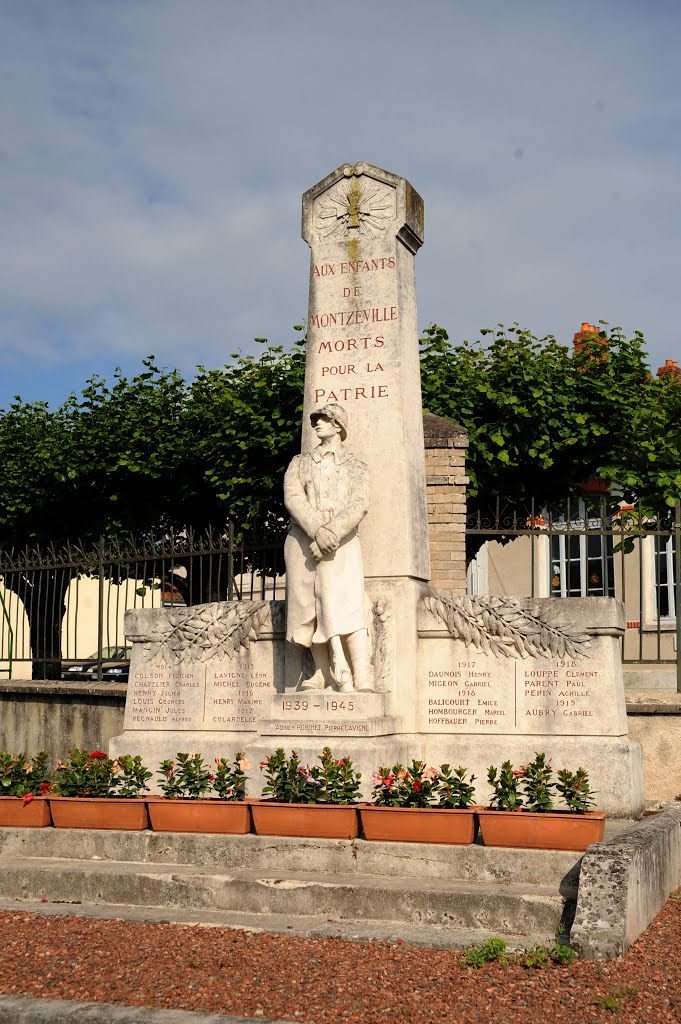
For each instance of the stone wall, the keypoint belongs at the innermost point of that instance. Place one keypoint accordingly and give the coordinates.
(37, 715)
(446, 480)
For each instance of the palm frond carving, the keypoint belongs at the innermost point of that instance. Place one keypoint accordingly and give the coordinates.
(503, 627)
(216, 630)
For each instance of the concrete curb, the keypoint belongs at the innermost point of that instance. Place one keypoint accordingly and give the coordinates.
(623, 884)
(22, 1010)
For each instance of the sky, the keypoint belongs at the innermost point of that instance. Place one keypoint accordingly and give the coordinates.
(153, 154)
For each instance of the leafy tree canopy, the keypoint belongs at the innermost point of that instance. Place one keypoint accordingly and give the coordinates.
(542, 418)
(155, 451)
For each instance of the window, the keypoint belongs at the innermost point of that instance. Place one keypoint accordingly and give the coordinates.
(664, 577)
(582, 558)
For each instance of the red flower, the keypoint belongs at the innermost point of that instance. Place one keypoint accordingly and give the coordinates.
(263, 764)
(28, 798)
(98, 755)
(416, 786)
(44, 786)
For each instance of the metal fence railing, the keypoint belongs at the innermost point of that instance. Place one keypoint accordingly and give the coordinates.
(66, 606)
(59, 609)
(589, 547)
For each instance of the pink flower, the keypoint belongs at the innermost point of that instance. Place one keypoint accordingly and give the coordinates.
(376, 779)
(263, 764)
(431, 773)
(27, 767)
(60, 765)
(28, 798)
(244, 764)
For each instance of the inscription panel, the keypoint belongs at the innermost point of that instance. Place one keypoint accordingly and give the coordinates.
(464, 692)
(230, 695)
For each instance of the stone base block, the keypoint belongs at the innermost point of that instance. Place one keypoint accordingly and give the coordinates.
(155, 746)
(614, 763)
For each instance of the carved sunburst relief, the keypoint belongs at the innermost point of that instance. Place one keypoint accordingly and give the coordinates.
(356, 205)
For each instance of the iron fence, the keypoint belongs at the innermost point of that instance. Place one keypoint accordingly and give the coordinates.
(64, 610)
(589, 547)
(65, 606)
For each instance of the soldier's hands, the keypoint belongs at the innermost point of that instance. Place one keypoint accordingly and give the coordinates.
(326, 540)
(316, 553)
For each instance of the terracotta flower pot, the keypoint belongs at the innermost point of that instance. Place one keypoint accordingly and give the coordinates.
(315, 821)
(128, 813)
(14, 813)
(224, 817)
(418, 824)
(555, 830)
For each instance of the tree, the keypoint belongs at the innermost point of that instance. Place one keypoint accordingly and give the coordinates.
(142, 454)
(542, 419)
(155, 453)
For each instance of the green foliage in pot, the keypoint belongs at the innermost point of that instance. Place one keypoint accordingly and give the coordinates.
(453, 791)
(505, 782)
(332, 781)
(21, 777)
(421, 786)
(96, 775)
(537, 785)
(532, 787)
(84, 774)
(186, 778)
(132, 776)
(229, 780)
(575, 791)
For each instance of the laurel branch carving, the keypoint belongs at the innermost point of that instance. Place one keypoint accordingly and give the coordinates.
(217, 630)
(503, 627)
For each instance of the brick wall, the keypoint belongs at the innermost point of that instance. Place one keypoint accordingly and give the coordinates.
(446, 480)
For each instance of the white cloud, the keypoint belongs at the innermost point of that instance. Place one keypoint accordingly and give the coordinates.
(153, 154)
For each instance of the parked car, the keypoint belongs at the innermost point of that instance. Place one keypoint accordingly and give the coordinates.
(115, 666)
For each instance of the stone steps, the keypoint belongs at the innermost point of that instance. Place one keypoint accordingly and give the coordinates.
(442, 895)
(500, 907)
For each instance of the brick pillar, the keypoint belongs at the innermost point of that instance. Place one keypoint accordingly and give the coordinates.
(446, 480)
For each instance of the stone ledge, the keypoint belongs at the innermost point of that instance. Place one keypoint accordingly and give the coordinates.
(623, 884)
(63, 688)
(654, 702)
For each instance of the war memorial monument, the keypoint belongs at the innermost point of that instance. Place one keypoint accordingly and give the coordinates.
(365, 655)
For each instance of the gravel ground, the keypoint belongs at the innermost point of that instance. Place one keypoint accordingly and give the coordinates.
(217, 970)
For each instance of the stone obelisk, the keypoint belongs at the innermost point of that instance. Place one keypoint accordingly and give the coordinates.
(364, 226)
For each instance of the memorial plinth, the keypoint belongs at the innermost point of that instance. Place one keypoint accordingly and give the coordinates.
(467, 681)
